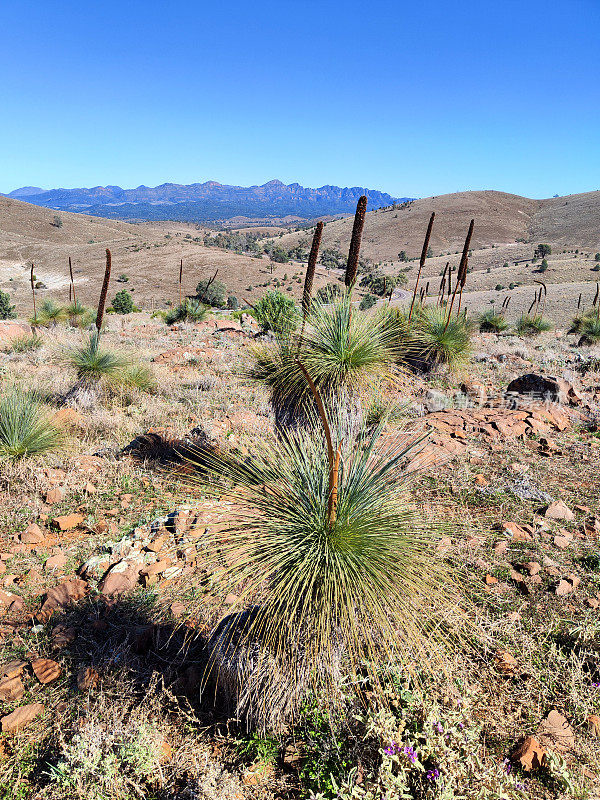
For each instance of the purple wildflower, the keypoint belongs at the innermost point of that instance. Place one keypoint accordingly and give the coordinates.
(410, 752)
(432, 774)
(439, 727)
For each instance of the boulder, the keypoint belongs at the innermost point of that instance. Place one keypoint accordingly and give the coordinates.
(13, 330)
(555, 390)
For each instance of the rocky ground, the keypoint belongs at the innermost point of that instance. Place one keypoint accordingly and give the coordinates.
(105, 597)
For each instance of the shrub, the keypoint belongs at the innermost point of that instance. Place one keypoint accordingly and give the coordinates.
(543, 266)
(528, 325)
(122, 302)
(232, 303)
(25, 426)
(368, 301)
(57, 221)
(276, 312)
(328, 293)
(6, 310)
(212, 293)
(542, 250)
(491, 322)
(188, 311)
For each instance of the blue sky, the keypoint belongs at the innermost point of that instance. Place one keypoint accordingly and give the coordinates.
(415, 99)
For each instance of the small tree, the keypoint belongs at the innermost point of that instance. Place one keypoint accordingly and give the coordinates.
(402, 256)
(57, 221)
(542, 250)
(123, 302)
(543, 265)
(232, 303)
(212, 292)
(6, 310)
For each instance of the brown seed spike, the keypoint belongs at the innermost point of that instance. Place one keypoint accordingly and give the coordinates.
(33, 293)
(357, 229)
(72, 282)
(422, 261)
(104, 291)
(180, 278)
(310, 269)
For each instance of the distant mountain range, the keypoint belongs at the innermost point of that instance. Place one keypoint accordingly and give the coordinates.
(205, 202)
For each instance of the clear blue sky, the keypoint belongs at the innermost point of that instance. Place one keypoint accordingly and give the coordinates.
(411, 98)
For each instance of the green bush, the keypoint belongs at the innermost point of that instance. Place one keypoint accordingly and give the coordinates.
(188, 311)
(123, 302)
(367, 302)
(212, 293)
(276, 312)
(491, 322)
(232, 303)
(6, 310)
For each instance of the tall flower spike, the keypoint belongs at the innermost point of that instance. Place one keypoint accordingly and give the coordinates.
(104, 291)
(422, 261)
(72, 281)
(310, 269)
(33, 293)
(357, 229)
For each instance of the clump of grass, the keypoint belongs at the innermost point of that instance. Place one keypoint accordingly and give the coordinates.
(136, 376)
(188, 311)
(590, 330)
(78, 315)
(25, 425)
(25, 344)
(532, 325)
(492, 322)
(336, 566)
(50, 314)
(441, 337)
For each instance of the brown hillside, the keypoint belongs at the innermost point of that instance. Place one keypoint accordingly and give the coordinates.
(149, 256)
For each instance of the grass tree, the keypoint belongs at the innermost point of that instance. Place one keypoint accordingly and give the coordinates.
(26, 428)
(335, 568)
(188, 311)
(344, 350)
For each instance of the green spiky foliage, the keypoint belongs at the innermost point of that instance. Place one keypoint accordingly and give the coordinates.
(590, 330)
(441, 337)
(135, 376)
(492, 322)
(50, 313)
(188, 311)
(26, 428)
(7, 311)
(323, 597)
(93, 362)
(344, 350)
(532, 325)
(79, 316)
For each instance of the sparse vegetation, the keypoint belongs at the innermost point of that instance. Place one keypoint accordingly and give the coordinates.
(492, 322)
(532, 325)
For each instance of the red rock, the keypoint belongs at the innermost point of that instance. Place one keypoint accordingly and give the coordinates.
(11, 689)
(55, 562)
(45, 670)
(21, 717)
(87, 677)
(33, 534)
(68, 522)
(529, 754)
(559, 510)
(56, 495)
